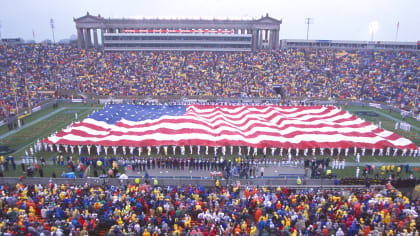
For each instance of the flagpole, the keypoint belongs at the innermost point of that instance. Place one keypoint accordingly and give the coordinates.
(396, 34)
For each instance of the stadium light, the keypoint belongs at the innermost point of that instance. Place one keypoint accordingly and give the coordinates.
(373, 28)
(308, 21)
(52, 28)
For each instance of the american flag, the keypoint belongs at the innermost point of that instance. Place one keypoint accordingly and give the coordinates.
(217, 126)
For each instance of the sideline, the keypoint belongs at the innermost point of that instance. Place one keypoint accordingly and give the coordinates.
(42, 118)
(417, 164)
(32, 122)
(25, 146)
(389, 117)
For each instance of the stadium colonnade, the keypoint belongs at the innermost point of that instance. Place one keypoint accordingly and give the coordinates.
(177, 34)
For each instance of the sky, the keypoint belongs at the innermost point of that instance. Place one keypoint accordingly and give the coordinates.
(331, 19)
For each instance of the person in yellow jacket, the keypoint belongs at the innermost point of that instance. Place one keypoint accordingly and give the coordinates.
(145, 233)
(253, 230)
(387, 219)
(412, 225)
(177, 230)
(187, 221)
(286, 222)
(244, 226)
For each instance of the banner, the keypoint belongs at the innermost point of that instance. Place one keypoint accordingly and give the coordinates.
(35, 109)
(375, 105)
(46, 92)
(214, 31)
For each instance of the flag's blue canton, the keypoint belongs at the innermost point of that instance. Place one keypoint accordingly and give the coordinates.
(114, 113)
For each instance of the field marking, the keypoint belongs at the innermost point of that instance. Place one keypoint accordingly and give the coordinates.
(383, 163)
(376, 159)
(389, 117)
(31, 123)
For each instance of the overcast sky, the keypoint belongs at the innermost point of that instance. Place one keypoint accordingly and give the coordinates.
(332, 19)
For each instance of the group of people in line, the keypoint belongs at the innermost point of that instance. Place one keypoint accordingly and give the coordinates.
(239, 166)
(32, 73)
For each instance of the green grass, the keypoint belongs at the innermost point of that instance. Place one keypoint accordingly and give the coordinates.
(48, 171)
(44, 128)
(350, 171)
(389, 124)
(383, 159)
(396, 115)
(21, 139)
(4, 129)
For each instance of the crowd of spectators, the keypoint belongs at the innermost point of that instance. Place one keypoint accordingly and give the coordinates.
(141, 209)
(381, 76)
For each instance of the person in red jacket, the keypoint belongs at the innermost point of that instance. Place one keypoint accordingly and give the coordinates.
(367, 230)
(325, 231)
(258, 214)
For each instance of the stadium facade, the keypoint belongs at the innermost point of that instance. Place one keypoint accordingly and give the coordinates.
(346, 44)
(177, 34)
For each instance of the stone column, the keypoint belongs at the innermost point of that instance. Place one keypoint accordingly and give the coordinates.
(102, 37)
(89, 38)
(95, 38)
(85, 37)
(80, 38)
(276, 39)
(254, 39)
(266, 35)
(271, 40)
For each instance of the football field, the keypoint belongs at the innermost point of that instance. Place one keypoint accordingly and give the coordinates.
(43, 123)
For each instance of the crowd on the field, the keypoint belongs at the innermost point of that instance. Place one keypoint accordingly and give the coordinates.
(142, 209)
(26, 70)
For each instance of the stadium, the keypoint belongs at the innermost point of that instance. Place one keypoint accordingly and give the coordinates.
(208, 127)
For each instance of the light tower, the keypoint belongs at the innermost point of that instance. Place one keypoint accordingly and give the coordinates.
(52, 28)
(373, 28)
(308, 21)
